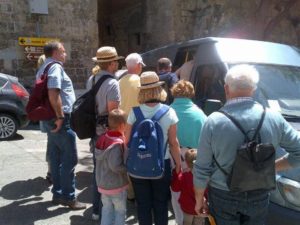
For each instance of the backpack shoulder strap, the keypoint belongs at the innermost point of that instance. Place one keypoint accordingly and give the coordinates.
(98, 84)
(160, 113)
(260, 124)
(218, 165)
(138, 113)
(48, 67)
(93, 80)
(123, 74)
(236, 123)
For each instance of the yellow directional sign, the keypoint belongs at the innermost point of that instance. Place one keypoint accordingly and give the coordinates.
(35, 41)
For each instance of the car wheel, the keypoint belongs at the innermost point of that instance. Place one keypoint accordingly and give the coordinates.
(8, 126)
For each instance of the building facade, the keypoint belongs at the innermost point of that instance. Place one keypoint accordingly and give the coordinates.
(146, 24)
(74, 22)
(134, 26)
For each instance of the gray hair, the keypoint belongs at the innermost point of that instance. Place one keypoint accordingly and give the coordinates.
(242, 77)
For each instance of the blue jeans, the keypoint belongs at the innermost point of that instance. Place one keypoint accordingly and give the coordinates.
(245, 208)
(153, 196)
(63, 159)
(114, 209)
(44, 130)
(97, 204)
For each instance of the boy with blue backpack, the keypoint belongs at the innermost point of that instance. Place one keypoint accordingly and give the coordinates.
(111, 173)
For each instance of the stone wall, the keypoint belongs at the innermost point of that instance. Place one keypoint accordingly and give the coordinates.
(137, 26)
(74, 22)
(270, 20)
(168, 21)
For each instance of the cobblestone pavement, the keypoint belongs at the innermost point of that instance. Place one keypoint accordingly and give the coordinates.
(25, 197)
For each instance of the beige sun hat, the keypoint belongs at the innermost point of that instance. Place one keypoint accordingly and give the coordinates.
(106, 54)
(149, 79)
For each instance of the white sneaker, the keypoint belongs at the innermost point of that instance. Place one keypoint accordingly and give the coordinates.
(95, 217)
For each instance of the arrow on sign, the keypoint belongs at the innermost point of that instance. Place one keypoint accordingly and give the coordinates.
(32, 56)
(34, 49)
(22, 41)
(34, 41)
(29, 56)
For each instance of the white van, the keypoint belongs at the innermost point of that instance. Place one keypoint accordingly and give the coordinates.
(278, 88)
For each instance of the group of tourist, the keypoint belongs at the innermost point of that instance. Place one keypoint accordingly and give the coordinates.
(193, 143)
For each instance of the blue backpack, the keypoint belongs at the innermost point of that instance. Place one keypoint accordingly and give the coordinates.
(146, 148)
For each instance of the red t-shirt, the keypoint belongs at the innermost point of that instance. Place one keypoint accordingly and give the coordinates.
(183, 183)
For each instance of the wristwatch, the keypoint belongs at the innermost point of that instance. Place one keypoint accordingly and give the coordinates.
(60, 118)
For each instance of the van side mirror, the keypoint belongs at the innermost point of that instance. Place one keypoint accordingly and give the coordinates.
(211, 105)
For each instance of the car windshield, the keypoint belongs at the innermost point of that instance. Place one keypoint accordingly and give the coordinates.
(279, 88)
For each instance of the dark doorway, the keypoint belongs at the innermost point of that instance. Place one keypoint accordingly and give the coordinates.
(121, 24)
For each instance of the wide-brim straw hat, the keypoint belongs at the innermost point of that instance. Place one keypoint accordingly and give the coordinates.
(149, 79)
(106, 54)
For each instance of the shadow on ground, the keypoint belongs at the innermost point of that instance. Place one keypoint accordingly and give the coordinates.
(24, 188)
(30, 126)
(84, 183)
(26, 204)
(16, 137)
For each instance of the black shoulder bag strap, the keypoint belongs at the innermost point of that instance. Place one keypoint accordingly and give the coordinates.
(238, 125)
(101, 80)
(96, 88)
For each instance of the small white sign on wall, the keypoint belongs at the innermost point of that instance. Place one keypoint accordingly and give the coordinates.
(38, 6)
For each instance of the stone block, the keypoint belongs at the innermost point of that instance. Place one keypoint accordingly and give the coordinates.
(43, 20)
(74, 54)
(82, 78)
(11, 27)
(80, 72)
(9, 7)
(189, 5)
(7, 64)
(73, 78)
(3, 27)
(5, 7)
(70, 72)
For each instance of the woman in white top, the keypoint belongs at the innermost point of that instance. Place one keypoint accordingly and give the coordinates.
(152, 195)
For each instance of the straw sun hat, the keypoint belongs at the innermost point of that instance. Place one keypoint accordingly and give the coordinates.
(106, 54)
(149, 79)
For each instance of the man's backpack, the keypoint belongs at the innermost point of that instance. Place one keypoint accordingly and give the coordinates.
(39, 107)
(84, 113)
(147, 146)
(254, 165)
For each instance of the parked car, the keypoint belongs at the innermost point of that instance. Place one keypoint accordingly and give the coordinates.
(278, 88)
(13, 100)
